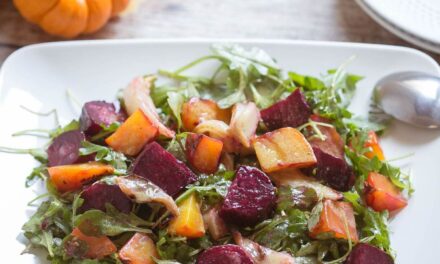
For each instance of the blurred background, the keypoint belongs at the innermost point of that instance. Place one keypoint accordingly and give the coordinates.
(331, 20)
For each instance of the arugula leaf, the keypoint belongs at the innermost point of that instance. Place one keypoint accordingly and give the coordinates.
(284, 232)
(363, 165)
(175, 101)
(177, 146)
(112, 223)
(106, 155)
(242, 75)
(239, 58)
(299, 197)
(105, 131)
(48, 226)
(211, 189)
(179, 248)
(330, 95)
(73, 125)
(374, 225)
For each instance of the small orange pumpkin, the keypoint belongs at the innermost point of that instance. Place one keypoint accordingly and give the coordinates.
(69, 18)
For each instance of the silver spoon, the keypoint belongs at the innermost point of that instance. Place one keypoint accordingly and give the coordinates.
(412, 97)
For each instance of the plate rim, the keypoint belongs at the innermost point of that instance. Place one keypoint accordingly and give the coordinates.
(76, 43)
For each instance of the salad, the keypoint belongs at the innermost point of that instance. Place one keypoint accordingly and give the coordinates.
(249, 165)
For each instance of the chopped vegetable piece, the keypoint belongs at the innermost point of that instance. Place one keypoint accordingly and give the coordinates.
(133, 134)
(96, 114)
(72, 177)
(64, 149)
(283, 148)
(333, 219)
(197, 110)
(250, 199)
(364, 253)
(331, 166)
(163, 169)
(225, 254)
(215, 224)
(137, 96)
(373, 143)
(244, 122)
(381, 194)
(97, 195)
(203, 152)
(260, 254)
(97, 247)
(290, 112)
(143, 191)
(219, 130)
(140, 249)
(296, 179)
(189, 222)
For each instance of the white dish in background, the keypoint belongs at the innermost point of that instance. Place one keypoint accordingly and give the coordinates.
(37, 76)
(416, 21)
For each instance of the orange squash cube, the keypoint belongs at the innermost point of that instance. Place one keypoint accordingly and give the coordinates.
(283, 148)
(197, 110)
(373, 143)
(140, 249)
(203, 152)
(97, 247)
(189, 223)
(133, 134)
(72, 177)
(382, 195)
(336, 220)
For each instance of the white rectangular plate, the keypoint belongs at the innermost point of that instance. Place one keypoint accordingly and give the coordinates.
(38, 76)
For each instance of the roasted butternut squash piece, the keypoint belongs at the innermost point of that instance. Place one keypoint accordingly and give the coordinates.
(373, 143)
(133, 134)
(72, 177)
(140, 249)
(97, 247)
(382, 195)
(336, 220)
(203, 152)
(189, 223)
(197, 110)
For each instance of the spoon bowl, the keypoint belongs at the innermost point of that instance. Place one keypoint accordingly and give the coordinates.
(412, 97)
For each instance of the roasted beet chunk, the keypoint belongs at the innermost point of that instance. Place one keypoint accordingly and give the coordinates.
(366, 254)
(333, 170)
(331, 165)
(290, 112)
(64, 149)
(163, 169)
(97, 113)
(231, 254)
(97, 195)
(250, 199)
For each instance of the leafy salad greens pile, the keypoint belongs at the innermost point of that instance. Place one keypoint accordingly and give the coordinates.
(107, 200)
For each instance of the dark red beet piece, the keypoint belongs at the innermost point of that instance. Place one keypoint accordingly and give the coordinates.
(97, 195)
(290, 112)
(334, 171)
(366, 254)
(163, 169)
(97, 113)
(230, 254)
(250, 199)
(64, 149)
(331, 166)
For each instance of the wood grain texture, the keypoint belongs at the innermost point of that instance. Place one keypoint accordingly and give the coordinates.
(334, 20)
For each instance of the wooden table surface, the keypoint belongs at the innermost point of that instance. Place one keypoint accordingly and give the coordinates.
(334, 20)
